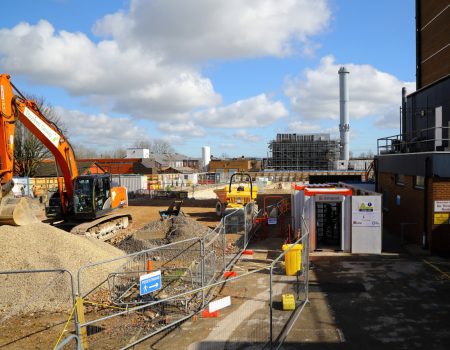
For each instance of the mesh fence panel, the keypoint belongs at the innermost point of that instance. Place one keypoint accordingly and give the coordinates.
(34, 308)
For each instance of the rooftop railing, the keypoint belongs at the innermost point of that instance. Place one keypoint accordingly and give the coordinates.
(423, 140)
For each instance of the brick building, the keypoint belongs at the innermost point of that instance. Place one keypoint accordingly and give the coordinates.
(413, 168)
(234, 165)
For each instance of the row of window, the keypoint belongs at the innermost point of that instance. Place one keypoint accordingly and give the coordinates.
(418, 181)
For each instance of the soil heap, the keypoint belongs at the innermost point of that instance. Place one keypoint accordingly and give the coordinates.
(163, 232)
(41, 246)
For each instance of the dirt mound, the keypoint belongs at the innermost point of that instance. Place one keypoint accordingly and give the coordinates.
(41, 246)
(158, 233)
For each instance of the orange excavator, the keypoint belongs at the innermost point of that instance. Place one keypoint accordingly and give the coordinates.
(87, 201)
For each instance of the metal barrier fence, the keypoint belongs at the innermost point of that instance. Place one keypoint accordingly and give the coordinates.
(113, 313)
(188, 268)
(294, 283)
(35, 293)
(255, 318)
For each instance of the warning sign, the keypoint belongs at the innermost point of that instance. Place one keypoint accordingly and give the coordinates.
(441, 219)
(366, 207)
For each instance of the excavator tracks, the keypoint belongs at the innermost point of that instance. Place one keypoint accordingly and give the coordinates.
(103, 228)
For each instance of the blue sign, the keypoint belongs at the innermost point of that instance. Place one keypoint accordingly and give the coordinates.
(150, 283)
(272, 221)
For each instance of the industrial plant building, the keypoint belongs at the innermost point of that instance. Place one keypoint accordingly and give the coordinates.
(413, 168)
(298, 152)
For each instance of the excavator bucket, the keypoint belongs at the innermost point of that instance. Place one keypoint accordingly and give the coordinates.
(16, 211)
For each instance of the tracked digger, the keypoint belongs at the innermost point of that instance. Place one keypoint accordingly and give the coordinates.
(85, 201)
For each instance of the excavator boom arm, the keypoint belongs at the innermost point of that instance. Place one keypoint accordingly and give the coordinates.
(12, 108)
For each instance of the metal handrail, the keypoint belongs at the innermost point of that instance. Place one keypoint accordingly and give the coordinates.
(398, 143)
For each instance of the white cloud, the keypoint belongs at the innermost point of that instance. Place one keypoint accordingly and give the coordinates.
(315, 95)
(302, 127)
(246, 136)
(173, 139)
(137, 83)
(147, 65)
(99, 130)
(148, 62)
(185, 128)
(390, 119)
(254, 112)
(204, 29)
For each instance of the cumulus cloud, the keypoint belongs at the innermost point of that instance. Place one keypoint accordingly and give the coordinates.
(99, 130)
(254, 112)
(147, 63)
(204, 29)
(390, 119)
(186, 128)
(246, 136)
(137, 83)
(303, 127)
(315, 94)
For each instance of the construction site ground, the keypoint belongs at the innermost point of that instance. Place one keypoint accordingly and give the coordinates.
(397, 300)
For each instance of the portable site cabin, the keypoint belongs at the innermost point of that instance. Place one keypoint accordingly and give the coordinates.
(338, 218)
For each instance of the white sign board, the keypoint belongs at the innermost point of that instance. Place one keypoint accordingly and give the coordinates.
(49, 133)
(441, 206)
(219, 304)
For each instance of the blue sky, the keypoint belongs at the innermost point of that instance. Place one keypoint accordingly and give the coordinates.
(227, 74)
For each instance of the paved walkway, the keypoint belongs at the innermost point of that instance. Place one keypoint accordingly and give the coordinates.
(393, 301)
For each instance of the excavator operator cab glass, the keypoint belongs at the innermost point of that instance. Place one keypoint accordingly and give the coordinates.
(83, 197)
(101, 192)
(91, 195)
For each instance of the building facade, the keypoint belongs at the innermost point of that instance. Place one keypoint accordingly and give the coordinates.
(413, 168)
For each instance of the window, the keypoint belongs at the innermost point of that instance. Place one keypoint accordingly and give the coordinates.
(419, 182)
(400, 179)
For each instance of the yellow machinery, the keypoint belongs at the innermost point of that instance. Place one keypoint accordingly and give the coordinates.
(235, 196)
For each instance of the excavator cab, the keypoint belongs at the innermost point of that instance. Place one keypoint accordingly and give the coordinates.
(91, 197)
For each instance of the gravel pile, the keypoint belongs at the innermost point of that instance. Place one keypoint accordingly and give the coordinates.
(41, 246)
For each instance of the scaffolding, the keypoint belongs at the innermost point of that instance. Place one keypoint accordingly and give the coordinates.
(303, 152)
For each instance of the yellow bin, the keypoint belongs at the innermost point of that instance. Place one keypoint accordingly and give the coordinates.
(293, 258)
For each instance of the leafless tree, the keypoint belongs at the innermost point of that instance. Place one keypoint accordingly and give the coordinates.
(157, 146)
(28, 150)
(83, 152)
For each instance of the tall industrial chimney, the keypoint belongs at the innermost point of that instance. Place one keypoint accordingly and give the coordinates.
(206, 157)
(344, 126)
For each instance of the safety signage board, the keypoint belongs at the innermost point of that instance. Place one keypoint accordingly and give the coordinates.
(440, 219)
(442, 206)
(150, 282)
(219, 304)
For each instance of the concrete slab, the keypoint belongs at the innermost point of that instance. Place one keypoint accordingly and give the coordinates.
(391, 301)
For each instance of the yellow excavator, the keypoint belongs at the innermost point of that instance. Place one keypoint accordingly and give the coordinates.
(87, 200)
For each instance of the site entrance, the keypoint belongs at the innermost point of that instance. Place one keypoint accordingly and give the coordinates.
(328, 226)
